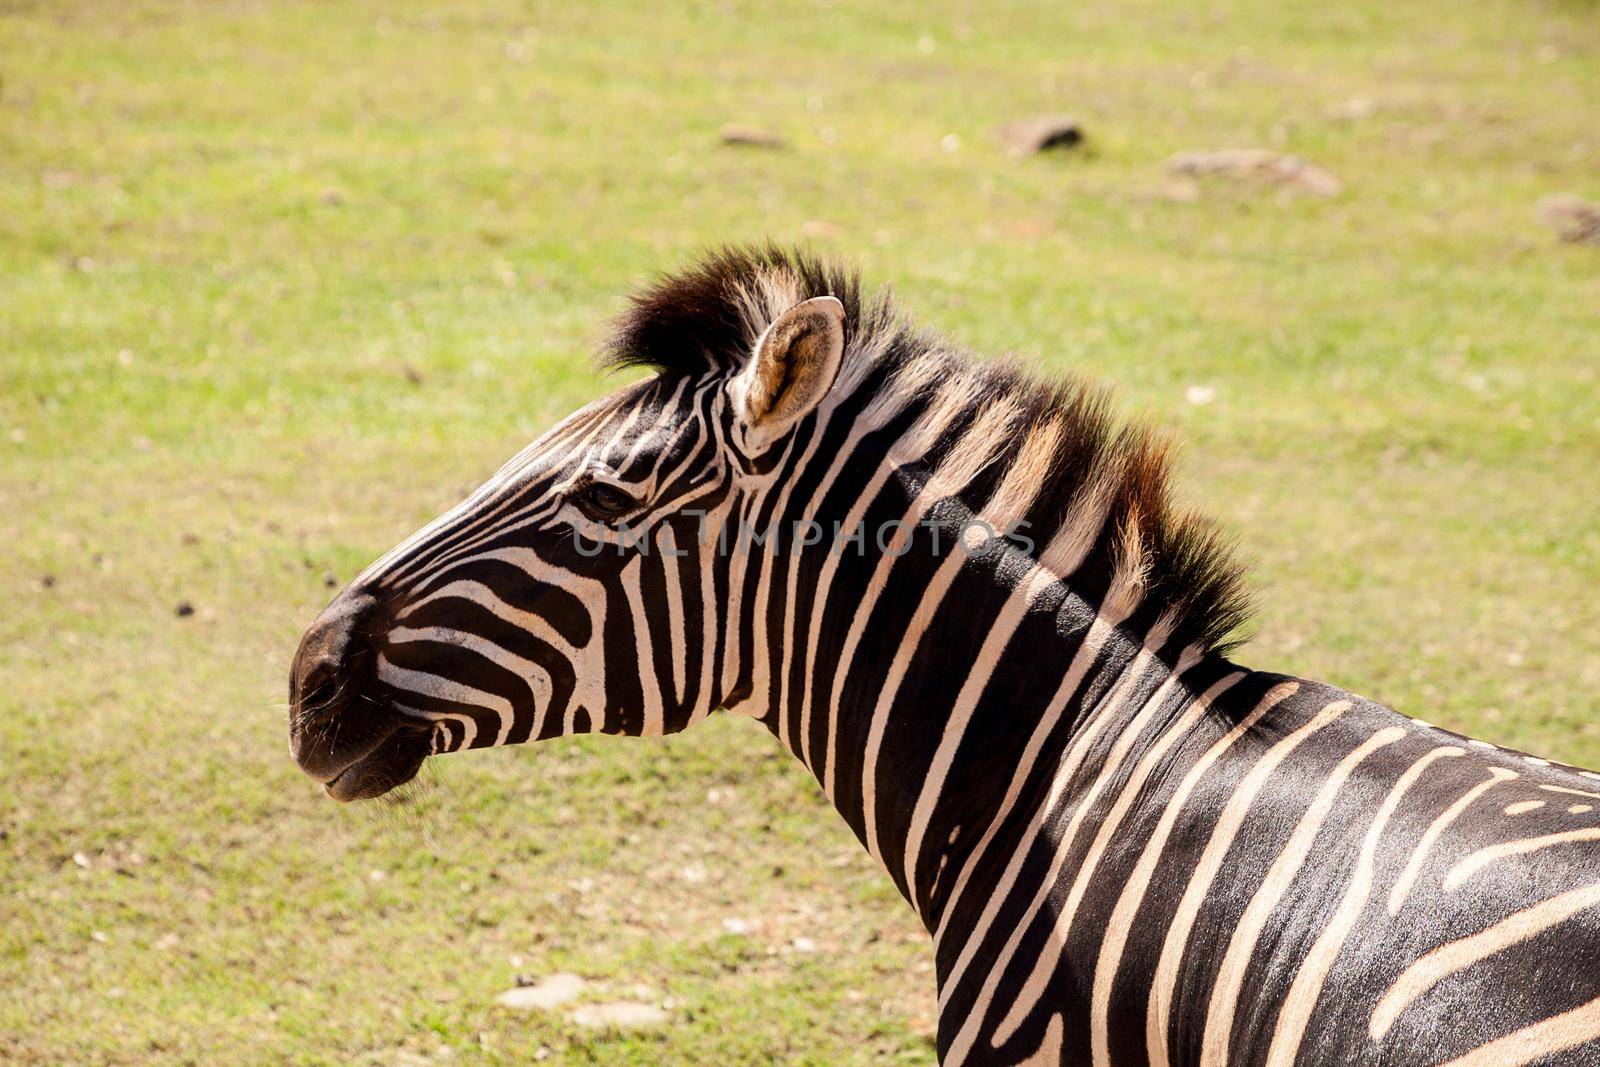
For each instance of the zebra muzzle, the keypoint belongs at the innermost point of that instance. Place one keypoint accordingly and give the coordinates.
(355, 744)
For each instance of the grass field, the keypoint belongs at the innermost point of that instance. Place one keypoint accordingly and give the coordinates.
(278, 282)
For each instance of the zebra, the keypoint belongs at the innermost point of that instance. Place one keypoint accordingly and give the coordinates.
(960, 595)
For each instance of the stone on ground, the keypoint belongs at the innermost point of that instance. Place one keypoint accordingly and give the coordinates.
(549, 992)
(1257, 164)
(748, 136)
(621, 1014)
(1575, 219)
(1041, 134)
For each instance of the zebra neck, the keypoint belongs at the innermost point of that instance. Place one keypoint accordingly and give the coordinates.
(937, 708)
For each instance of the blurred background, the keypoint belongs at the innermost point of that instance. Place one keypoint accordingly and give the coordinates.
(281, 281)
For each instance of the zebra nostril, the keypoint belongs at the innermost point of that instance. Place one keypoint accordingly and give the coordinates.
(334, 722)
(334, 660)
(331, 683)
(319, 690)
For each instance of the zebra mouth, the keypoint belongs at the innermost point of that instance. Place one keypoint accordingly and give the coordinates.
(393, 762)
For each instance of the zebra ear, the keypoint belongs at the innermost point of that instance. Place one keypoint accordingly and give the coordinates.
(795, 364)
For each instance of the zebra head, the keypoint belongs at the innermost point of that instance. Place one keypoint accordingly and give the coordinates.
(584, 586)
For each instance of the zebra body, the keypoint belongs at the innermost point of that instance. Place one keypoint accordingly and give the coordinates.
(961, 599)
(1283, 873)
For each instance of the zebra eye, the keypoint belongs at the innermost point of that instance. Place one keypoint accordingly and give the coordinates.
(602, 500)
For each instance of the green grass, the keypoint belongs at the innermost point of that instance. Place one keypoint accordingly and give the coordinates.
(279, 281)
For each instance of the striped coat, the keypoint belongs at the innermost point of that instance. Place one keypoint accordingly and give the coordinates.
(960, 597)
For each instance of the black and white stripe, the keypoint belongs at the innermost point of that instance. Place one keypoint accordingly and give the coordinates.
(1128, 849)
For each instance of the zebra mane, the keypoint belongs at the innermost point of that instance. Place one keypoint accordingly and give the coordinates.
(1056, 433)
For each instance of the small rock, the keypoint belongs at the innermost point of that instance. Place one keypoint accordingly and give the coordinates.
(330, 580)
(543, 995)
(1575, 220)
(1259, 164)
(1042, 134)
(1200, 395)
(621, 1014)
(736, 133)
(804, 944)
(183, 610)
(736, 926)
(82, 860)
